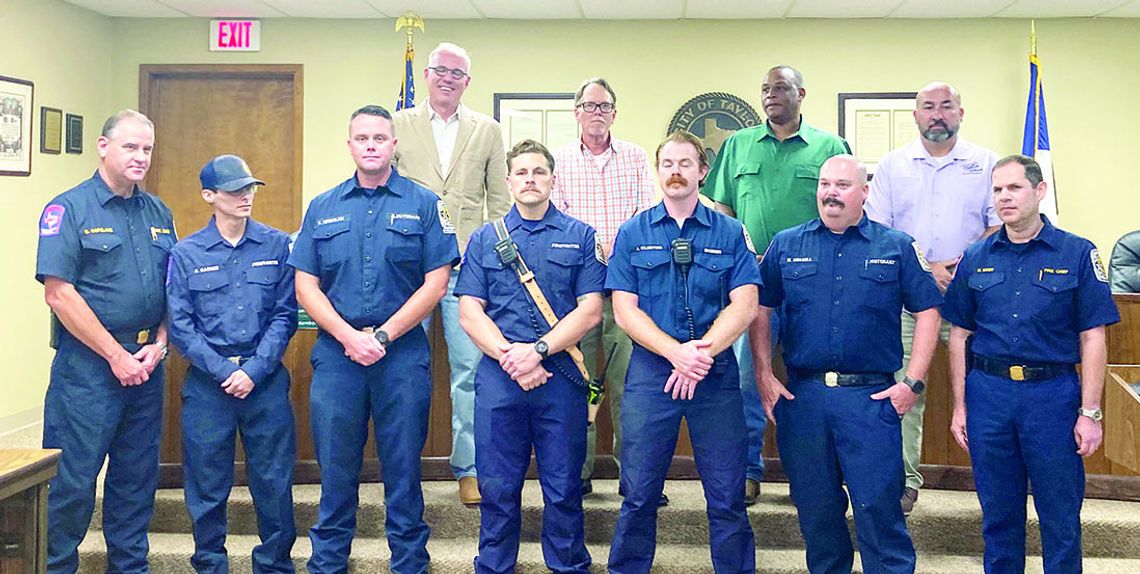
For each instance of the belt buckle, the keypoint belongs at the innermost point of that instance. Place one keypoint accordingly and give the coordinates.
(143, 337)
(1017, 373)
(831, 379)
(236, 359)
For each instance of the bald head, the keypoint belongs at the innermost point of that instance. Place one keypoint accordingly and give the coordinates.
(938, 114)
(841, 192)
(846, 164)
(937, 90)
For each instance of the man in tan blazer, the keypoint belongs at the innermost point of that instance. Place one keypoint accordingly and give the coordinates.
(457, 153)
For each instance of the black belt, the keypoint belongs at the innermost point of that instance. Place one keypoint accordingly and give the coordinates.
(1021, 372)
(836, 379)
(138, 337)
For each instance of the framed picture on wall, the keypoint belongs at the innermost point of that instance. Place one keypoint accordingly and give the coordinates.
(545, 118)
(16, 108)
(875, 123)
(51, 130)
(74, 133)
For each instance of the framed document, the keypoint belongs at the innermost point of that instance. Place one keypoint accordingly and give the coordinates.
(74, 133)
(875, 123)
(51, 130)
(15, 126)
(545, 118)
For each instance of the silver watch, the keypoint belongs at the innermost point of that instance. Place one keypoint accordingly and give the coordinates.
(1094, 414)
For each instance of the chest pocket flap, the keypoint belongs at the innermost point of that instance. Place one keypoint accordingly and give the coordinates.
(983, 281)
(564, 257)
(1055, 283)
(714, 262)
(795, 271)
(102, 242)
(807, 171)
(407, 227)
(333, 229)
(748, 168)
(206, 281)
(649, 259)
(264, 275)
(881, 273)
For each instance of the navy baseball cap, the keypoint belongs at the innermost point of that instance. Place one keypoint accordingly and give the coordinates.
(227, 173)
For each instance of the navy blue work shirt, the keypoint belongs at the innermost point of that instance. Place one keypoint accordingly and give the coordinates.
(371, 247)
(642, 264)
(113, 249)
(561, 252)
(1029, 302)
(232, 300)
(843, 294)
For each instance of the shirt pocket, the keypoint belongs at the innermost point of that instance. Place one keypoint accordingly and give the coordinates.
(982, 284)
(333, 243)
(807, 172)
(263, 281)
(652, 271)
(563, 267)
(797, 281)
(405, 238)
(102, 255)
(880, 288)
(205, 289)
(1054, 300)
(710, 278)
(748, 178)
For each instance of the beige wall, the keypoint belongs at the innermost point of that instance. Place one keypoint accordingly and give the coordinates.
(655, 67)
(67, 52)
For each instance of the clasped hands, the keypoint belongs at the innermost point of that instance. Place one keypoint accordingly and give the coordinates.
(135, 369)
(523, 364)
(691, 363)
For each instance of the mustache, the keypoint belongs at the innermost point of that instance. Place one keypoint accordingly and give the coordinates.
(833, 201)
(676, 179)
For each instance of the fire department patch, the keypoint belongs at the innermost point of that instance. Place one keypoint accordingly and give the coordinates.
(921, 258)
(1098, 266)
(445, 218)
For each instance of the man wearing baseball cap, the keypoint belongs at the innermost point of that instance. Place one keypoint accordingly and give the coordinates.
(232, 311)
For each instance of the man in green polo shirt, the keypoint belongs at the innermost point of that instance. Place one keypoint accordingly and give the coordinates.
(766, 176)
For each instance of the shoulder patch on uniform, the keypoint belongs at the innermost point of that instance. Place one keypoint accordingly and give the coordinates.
(748, 240)
(1098, 266)
(921, 258)
(600, 251)
(51, 222)
(445, 218)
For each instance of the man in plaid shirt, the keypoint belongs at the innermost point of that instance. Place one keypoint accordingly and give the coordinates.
(603, 181)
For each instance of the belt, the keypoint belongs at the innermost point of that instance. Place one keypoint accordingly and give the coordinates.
(143, 337)
(835, 379)
(1021, 372)
(238, 360)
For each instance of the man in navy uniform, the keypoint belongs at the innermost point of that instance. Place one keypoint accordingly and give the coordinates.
(232, 310)
(102, 258)
(843, 281)
(1036, 301)
(528, 391)
(373, 259)
(684, 283)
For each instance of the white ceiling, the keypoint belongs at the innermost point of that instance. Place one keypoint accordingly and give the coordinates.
(615, 9)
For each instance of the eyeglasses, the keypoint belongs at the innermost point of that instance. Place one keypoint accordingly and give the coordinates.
(250, 189)
(444, 70)
(591, 107)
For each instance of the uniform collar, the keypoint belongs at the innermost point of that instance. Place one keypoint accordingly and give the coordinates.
(701, 214)
(552, 218)
(862, 228)
(254, 232)
(804, 133)
(1049, 235)
(397, 185)
(103, 191)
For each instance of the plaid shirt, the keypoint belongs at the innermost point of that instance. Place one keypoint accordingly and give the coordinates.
(604, 197)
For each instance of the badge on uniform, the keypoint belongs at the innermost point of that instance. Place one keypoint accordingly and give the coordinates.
(51, 222)
(600, 251)
(1098, 266)
(748, 240)
(445, 218)
(921, 258)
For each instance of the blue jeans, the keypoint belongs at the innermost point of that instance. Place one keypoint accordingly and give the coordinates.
(754, 415)
(463, 357)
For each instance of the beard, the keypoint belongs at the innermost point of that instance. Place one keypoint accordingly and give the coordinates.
(938, 136)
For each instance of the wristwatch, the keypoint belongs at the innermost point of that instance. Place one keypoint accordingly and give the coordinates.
(1094, 414)
(917, 386)
(542, 349)
(382, 336)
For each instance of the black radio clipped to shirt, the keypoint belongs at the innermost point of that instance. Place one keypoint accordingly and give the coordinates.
(682, 251)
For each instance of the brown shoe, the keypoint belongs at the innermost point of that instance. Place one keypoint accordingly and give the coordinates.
(751, 491)
(909, 497)
(469, 491)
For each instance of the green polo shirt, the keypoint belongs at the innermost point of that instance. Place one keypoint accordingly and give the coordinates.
(769, 183)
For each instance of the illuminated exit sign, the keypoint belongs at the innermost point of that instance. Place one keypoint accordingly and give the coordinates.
(235, 35)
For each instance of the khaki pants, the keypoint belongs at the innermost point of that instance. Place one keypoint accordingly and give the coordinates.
(601, 340)
(912, 422)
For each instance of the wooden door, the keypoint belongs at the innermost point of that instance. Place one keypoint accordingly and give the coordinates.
(202, 111)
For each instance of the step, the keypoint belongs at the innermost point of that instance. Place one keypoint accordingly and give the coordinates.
(944, 522)
(170, 554)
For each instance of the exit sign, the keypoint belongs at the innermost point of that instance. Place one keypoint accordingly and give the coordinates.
(235, 35)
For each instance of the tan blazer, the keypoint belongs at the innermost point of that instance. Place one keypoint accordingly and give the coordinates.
(477, 182)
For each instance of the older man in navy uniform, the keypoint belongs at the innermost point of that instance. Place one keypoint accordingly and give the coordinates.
(684, 284)
(1036, 301)
(102, 258)
(232, 310)
(373, 259)
(843, 281)
(528, 391)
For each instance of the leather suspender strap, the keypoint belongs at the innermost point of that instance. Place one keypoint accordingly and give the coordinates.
(526, 277)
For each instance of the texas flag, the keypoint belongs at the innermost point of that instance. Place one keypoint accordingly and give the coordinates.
(1035, 141)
